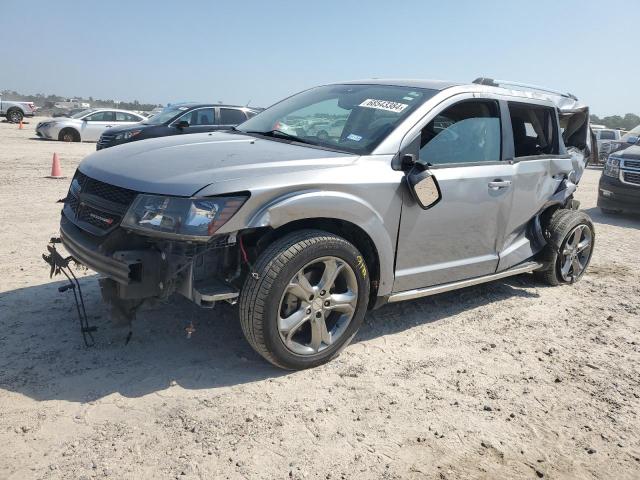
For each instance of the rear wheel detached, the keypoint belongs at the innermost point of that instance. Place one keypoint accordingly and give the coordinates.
(308, 300)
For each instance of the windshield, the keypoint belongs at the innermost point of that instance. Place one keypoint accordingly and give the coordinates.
(82, 113)
(165, 115)
(352, 118)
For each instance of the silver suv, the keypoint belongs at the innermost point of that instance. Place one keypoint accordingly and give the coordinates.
(422, 187)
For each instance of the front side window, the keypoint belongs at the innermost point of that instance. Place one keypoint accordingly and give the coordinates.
(164, 115)
(231, 116)
(105, 116)
(81, 113)
(351, 118)
(534, 130)
(468, 132)
(202, 116)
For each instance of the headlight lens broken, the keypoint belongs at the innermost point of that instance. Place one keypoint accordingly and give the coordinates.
(189, 218)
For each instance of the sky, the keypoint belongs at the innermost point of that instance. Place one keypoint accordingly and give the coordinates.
(261, 51)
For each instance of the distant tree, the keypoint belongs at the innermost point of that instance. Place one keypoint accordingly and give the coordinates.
(629, 121)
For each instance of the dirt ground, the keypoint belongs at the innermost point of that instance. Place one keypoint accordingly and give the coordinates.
(506, 380)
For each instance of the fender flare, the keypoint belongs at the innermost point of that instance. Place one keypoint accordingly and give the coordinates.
(312, 204)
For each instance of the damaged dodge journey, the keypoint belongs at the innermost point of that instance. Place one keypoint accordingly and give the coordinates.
(334, 201)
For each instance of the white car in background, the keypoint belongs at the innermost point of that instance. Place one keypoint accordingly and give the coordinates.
(87, 125)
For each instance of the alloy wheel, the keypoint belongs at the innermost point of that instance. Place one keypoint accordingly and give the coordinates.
(317, 305)
(576, 253)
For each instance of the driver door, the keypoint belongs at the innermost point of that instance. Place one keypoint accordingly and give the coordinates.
(459, 237)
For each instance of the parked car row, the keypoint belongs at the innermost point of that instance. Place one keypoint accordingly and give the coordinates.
(178, 119)
(109, 127)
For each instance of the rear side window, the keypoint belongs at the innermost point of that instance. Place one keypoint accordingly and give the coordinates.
(467, 132)
(534, 130)
(231, 116)
(126, 117)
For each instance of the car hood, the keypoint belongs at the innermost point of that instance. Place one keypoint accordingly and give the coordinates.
(127, 128)
(631, 153)
(61, 119)
(184, 165)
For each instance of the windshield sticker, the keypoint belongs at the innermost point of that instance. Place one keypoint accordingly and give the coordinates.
(354, 137)
(183, 108)
(410, 99)
(384, 105)
(414, 94)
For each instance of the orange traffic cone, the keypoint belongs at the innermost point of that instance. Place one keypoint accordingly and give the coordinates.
(56, 171)
(20, 125)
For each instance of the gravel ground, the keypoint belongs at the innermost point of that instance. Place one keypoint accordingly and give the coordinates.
(511, 379)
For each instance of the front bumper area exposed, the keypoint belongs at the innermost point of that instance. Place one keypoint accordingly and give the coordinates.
(138, 272)
(86, 252)
(143, 268)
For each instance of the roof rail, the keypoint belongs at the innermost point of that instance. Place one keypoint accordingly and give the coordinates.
(520, 86)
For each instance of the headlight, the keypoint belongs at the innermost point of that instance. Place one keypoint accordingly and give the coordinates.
(187, 218)
(127, 135)
(612, 167)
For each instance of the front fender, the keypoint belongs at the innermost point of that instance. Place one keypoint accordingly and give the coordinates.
(333, 205)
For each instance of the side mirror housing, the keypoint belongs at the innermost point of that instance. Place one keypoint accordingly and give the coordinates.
(424, 187)
(182, 124)
(632, 140)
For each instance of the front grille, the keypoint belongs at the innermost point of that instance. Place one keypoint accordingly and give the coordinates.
(95, 206)
(104, 141)
(120, 195)
(631, 177)
(632, 164)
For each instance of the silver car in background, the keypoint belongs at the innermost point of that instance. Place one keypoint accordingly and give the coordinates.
(412, 188)
(87, 125)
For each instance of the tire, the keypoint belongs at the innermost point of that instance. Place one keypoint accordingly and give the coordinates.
(14, 115)
(68, 135)
(570, 242)
(267, 293)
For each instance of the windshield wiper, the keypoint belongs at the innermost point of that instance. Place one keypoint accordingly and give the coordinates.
(281, 134)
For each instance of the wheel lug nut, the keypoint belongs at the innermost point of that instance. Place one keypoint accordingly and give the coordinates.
(322, 293)
(308, 311)
(326, 303)
(318, 315)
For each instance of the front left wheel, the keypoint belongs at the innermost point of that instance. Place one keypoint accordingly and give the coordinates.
(305, 300)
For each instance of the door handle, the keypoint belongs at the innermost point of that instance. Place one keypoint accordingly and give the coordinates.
(498, 184)
(108, 126)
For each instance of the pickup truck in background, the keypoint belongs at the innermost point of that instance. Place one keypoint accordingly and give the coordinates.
(606, 139)
(16, 111)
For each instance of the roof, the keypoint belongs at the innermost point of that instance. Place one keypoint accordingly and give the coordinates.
(404, 82)
(204, 104)
(563, 101)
